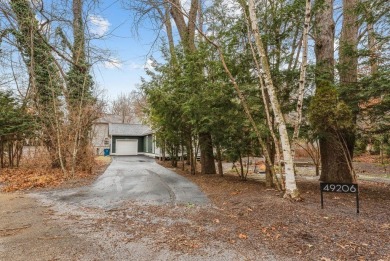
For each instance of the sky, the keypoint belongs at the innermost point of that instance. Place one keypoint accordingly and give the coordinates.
(129, 52)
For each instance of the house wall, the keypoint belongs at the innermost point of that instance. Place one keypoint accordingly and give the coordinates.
(148, 144)
(100, 138)
(140, 142)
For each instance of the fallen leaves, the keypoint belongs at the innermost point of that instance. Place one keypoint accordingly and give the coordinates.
(29, 176)
(386, 226)
(242, 236)
(24, 179)
(236, 192)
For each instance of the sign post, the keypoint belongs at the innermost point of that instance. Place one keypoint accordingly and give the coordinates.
(340, 188)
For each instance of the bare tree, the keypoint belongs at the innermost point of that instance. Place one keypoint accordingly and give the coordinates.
(124, 106)
(59, 91)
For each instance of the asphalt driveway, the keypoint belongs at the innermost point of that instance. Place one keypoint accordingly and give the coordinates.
(135, 178)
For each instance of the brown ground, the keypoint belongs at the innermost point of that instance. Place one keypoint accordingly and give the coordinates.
(245, 219)
(250, 215)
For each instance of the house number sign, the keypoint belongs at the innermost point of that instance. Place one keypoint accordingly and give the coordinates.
(340, 188)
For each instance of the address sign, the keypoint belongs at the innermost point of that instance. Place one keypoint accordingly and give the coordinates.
(339, 188)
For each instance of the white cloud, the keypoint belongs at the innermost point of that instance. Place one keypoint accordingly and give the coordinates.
(150, 64)
(136, 66)
(113, 64)
(98, 25)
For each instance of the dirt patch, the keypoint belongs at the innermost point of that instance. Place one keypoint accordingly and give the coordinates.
(29, 231)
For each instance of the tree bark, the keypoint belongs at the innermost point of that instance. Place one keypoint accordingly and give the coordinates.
(302, 76)
(79, 86)
(291, 187)
(348, 44)
(1, 153)
(219, 159)
(335, 168)
(324, 44)
(270, 174)
(269, 182)
(372, 48)
(335, 146)
(349, 75)
(206, 154)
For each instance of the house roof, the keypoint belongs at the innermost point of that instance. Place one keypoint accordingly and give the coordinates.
(112, 118)
(120, 129)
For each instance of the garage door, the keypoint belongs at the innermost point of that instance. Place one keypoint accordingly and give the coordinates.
(126, 147)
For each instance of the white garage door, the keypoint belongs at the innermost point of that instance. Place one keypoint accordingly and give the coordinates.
(126, 147)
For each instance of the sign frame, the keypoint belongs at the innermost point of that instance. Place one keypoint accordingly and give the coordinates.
(330, 187)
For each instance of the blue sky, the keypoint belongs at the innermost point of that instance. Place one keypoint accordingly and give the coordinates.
(129, 53)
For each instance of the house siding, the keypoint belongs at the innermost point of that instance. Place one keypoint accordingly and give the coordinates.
(99, 136)
(148, 144)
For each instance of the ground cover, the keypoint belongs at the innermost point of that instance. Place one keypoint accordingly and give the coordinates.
(244, 221)
(250, 216)
(34, 173)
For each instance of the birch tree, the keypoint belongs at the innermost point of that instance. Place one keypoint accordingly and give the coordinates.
(302, 75)
(291, 187)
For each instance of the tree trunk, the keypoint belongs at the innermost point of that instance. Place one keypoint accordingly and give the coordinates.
(192, 157)
(348, 45)
(302, 76)
(206, 154)
(1, 153)
(241, 167)
(182, 156)
(348, 69)
(168, 27)
(269, 182)
(336, 147)
(43, 73)
(79, 89)
(333, 162)
(163, 152)
(10, 160)
(324, 44)
(186, 31)
(219, 159)
(270, 171)
(291, 187)
(373, 49)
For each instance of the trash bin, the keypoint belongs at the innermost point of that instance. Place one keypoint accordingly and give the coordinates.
(106, 152)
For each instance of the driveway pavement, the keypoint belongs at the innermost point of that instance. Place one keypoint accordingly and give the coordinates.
(135, 178)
